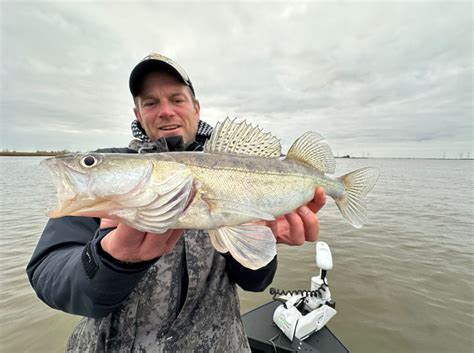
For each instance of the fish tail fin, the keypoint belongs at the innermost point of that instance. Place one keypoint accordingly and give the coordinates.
(353, 204)
(312, 149)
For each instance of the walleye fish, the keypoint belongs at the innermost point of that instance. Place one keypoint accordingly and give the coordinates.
(240, 177)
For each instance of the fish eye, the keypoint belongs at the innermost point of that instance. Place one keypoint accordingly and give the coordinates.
(88, 161)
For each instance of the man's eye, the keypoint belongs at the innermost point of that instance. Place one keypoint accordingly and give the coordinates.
(178, 100)
(148, 104)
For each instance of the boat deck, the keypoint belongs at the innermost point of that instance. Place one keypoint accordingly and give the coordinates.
(261, 332)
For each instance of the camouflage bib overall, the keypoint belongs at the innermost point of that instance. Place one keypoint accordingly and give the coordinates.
(150, 320)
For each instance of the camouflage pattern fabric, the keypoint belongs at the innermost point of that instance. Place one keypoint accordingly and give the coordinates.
(149, 320)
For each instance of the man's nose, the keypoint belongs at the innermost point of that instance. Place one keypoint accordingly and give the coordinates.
(165, 109)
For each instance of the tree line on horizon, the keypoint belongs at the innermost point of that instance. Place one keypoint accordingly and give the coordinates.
(8, 152)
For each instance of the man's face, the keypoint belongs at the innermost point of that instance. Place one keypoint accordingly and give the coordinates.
(165, 107)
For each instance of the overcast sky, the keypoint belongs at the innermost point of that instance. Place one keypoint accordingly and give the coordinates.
(389, 79)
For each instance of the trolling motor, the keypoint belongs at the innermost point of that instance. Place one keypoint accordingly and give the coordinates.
(305, 312)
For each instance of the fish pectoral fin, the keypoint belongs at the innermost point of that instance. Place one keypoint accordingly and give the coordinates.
(252, 246)
(216, 241)
(227, 206)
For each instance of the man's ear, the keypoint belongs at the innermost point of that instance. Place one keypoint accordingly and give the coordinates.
(137, 114)
(197, 107)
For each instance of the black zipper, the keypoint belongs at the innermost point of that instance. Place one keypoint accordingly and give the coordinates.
(183, 281)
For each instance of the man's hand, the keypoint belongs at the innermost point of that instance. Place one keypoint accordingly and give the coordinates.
(301, 225)
(130, 245)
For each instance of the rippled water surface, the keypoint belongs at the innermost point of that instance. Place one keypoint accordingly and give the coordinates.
(403, 283)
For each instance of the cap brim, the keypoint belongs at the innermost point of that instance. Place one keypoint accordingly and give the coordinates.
(150, 65)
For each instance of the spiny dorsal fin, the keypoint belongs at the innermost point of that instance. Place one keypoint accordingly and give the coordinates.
(311, 148)
(242, 138)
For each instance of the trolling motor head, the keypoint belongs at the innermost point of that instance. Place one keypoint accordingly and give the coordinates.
(306, 312)
(323, 258)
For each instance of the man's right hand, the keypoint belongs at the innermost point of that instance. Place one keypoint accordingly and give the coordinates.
(130, 245)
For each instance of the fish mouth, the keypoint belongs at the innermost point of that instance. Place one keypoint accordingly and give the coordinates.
(58, 172)
(67, 200)
(81, 207)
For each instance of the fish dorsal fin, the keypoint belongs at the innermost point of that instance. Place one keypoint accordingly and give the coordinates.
(311, 148)
(242, 138)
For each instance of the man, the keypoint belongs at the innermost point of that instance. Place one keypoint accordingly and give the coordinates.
(151, 292)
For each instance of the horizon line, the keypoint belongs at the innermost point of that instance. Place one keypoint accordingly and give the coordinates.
(40, 153)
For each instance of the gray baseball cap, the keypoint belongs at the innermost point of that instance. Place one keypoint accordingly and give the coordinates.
(155, 62)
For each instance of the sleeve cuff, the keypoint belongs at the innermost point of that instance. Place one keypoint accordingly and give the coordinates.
(94, 248)
(251, 280)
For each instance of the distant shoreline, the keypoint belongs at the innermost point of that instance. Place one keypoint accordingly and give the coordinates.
(58, 153)
(32, 154)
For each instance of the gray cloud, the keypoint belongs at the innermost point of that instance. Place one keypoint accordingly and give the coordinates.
(389, 78)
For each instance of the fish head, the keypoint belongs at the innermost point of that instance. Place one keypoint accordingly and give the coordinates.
(91, 184)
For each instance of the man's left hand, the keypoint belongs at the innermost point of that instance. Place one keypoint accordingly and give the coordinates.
(301, 225)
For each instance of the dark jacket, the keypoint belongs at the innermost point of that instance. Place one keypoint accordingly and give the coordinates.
(70, 271)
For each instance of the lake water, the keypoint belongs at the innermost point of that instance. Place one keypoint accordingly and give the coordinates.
(403, 283)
